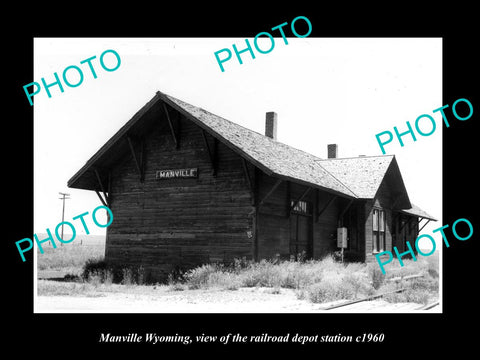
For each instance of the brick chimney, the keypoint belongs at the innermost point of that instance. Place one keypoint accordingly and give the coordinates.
(332, 151)
(271, 125)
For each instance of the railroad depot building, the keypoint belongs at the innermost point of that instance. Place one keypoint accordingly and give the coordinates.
(187, 187)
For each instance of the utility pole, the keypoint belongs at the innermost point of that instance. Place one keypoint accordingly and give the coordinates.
(64, 197)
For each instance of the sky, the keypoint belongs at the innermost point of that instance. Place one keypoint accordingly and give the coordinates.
(324, 90)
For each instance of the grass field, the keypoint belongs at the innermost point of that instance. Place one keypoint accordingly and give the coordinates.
(316, 281)
(69, 258)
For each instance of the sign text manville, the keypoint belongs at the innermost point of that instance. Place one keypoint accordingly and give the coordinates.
(176, 173)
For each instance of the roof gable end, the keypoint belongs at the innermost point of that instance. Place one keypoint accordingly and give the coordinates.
(271, 156)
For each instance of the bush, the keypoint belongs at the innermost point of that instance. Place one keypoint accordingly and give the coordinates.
(339, 285)
(421, 290)
(433, 273)
(426, 283)
(240, 264)
(133, 275)
(224, 280)
(213, 275)
(417, 296)
(98, 271)
(376, 276)
(409, 295)
(315, 280)
(263, 273)
(94, 269)
(359, 284)
(356, 267)
(432, 265)
(296, 276)
(329, 290)
(198, 278)
(175, 282)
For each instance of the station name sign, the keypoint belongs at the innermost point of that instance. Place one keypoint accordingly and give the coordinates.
(177, 173)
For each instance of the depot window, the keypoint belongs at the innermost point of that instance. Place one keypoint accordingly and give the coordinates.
(302, 207)
(378, 230)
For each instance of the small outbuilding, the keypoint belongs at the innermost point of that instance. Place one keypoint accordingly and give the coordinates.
(187, 187)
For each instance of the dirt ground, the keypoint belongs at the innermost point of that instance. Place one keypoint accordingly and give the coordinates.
(165, 300)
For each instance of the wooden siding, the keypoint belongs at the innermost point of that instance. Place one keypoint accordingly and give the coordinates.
(172, 224)
(274, 227)
(385, 201)
(175, 224)
(397, 234)
(354, 221)
(405, 228)
(224, 213)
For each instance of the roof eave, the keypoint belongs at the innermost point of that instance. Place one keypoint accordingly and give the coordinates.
(312, 185)
(116, 137)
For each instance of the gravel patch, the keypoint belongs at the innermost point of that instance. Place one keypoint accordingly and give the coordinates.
(118, 299)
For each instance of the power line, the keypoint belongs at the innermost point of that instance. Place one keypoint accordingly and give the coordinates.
(64, 197)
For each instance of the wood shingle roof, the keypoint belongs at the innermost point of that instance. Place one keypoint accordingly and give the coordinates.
(273, 157)
(362, 175)
(416, 211)
(348, 177)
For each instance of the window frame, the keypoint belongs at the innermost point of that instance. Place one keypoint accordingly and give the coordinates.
(302, 207)
(378, 230)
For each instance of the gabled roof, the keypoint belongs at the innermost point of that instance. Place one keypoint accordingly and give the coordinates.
(365, 175)
(416, 211)
(271, 156)
(362, 175)
(349, 177)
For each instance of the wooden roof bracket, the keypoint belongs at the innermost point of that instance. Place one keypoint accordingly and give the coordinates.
(428, 220)
(174, 133)
(104, 202)
(212, 153)
(105, 199)
(288, 198)
(267, 195)
(139, 163)
(340, 217)
(317, 217)
(247, 175)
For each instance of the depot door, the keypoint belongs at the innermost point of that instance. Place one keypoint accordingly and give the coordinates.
(301, 235)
